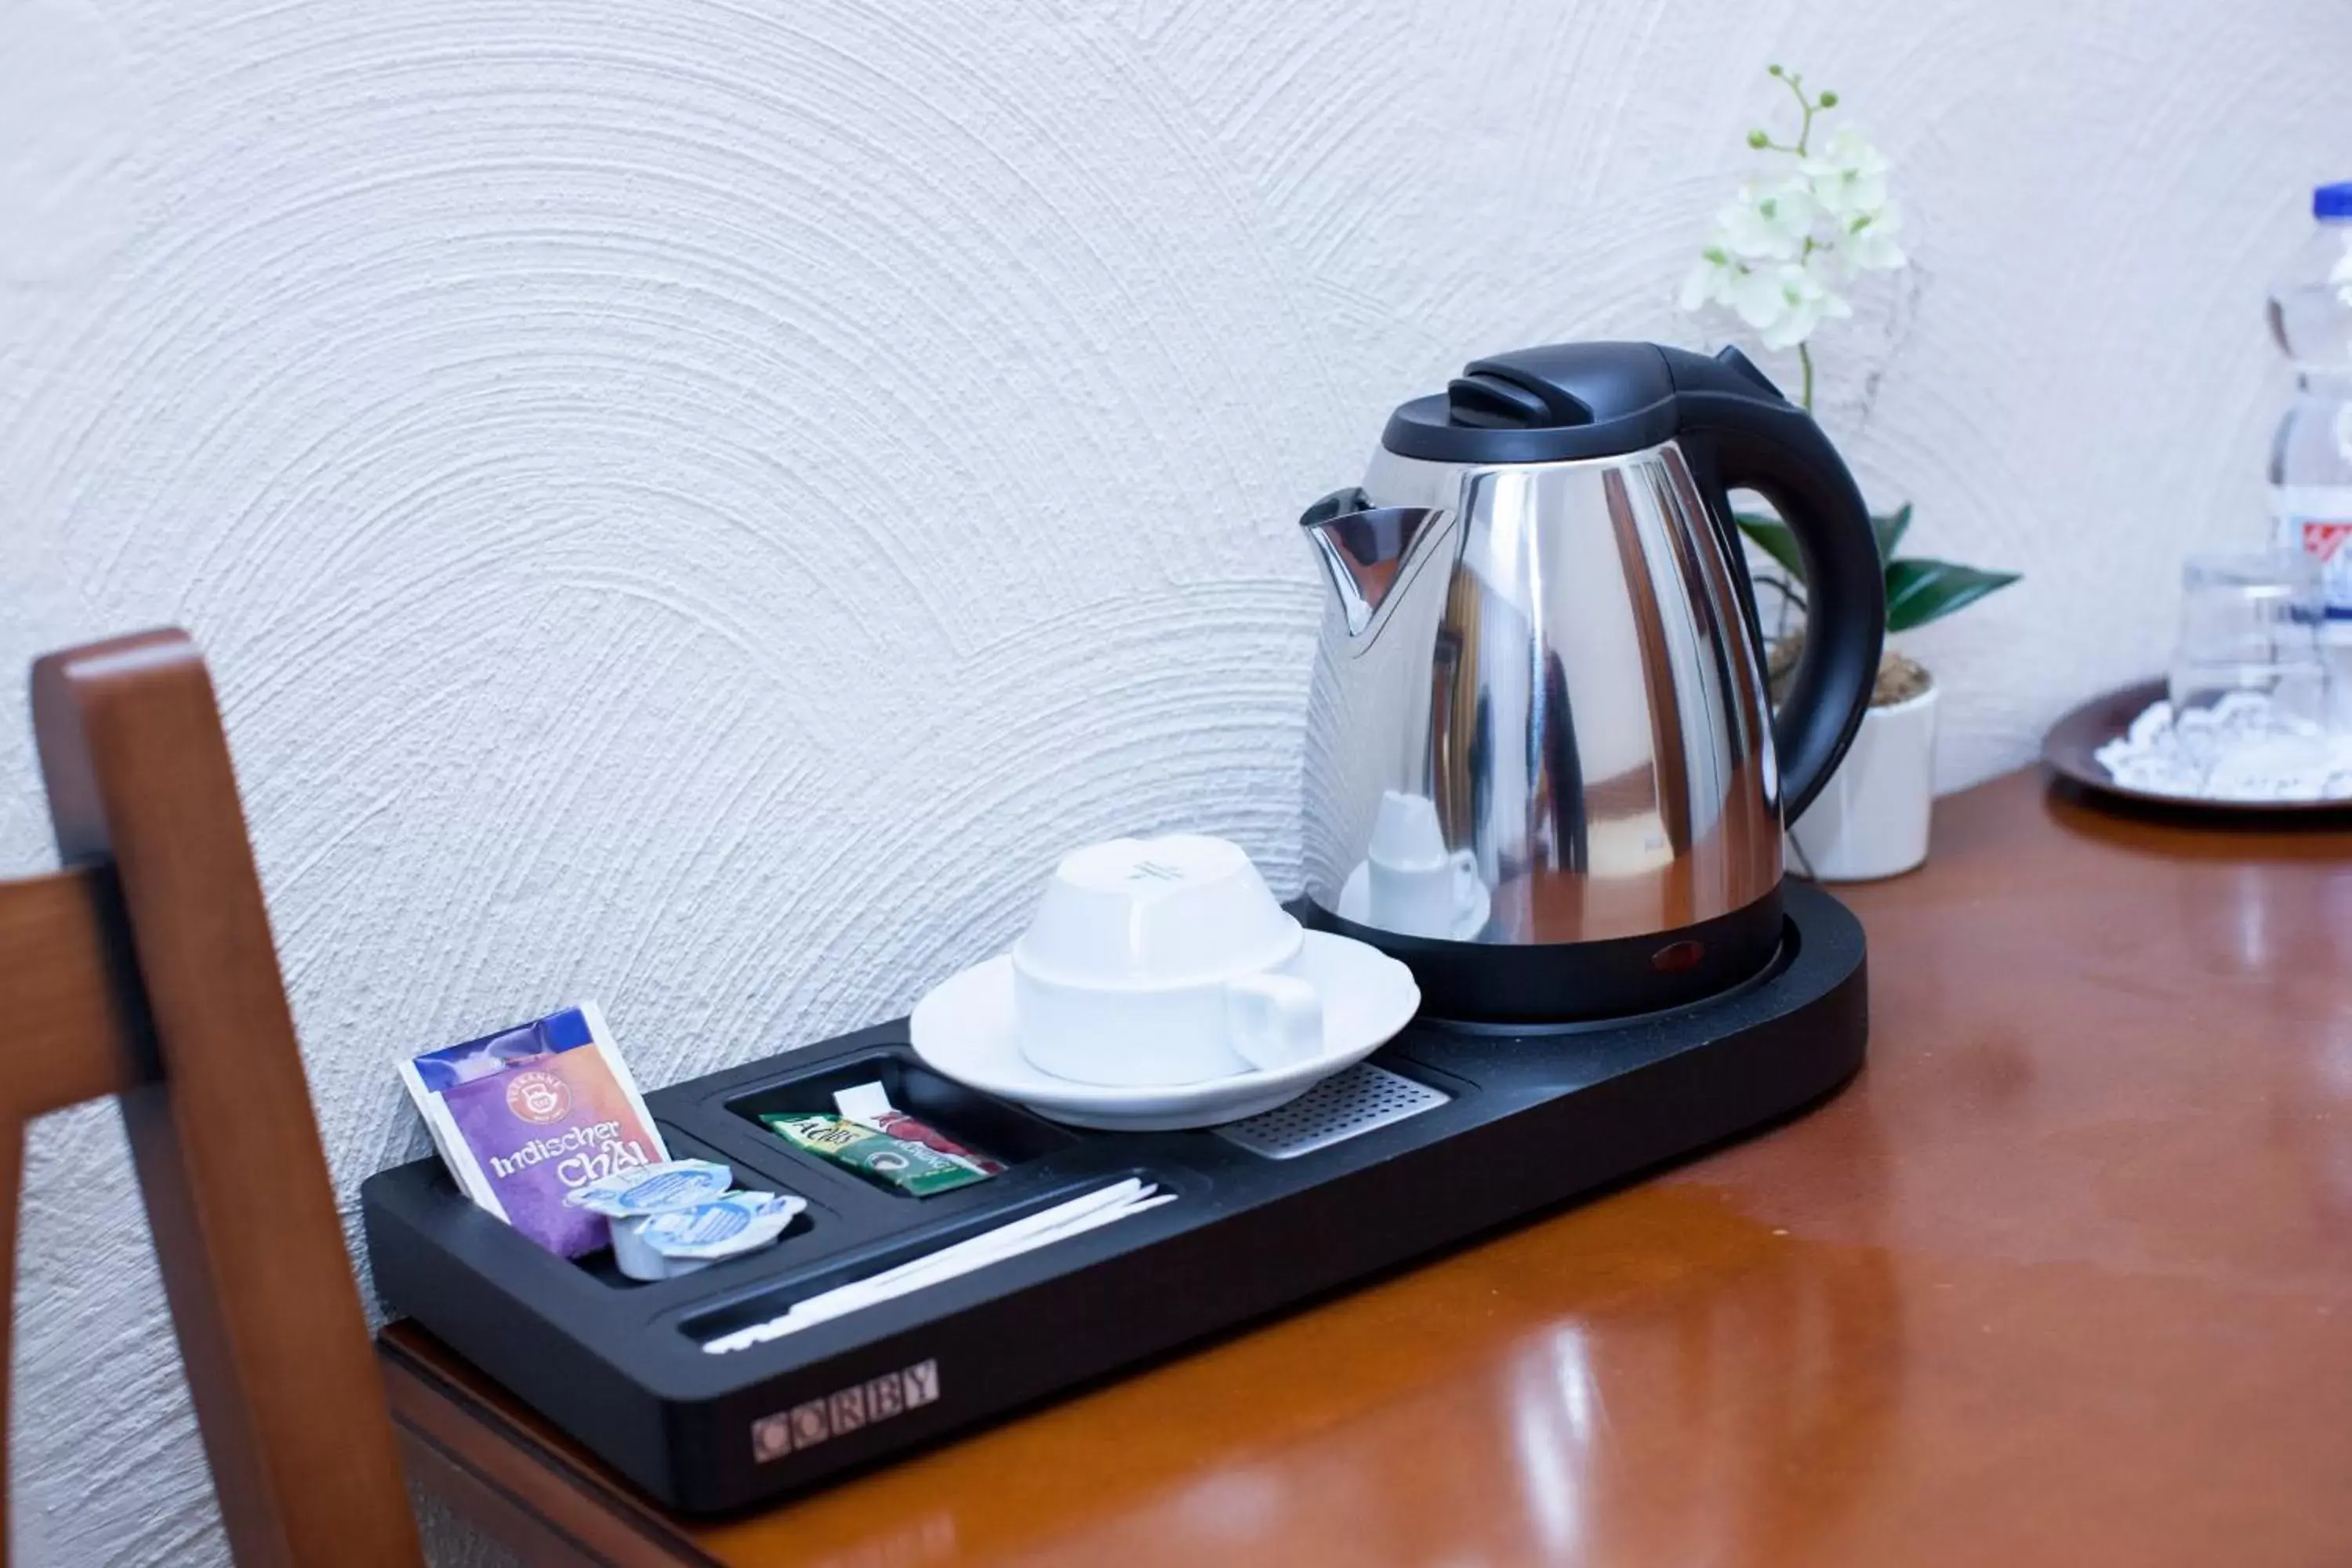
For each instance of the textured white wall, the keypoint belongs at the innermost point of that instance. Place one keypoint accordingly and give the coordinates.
(693, 503)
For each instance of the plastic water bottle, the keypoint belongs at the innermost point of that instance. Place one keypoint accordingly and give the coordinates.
(2311, 460)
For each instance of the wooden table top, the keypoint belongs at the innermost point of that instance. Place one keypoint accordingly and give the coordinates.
(2065, 1277)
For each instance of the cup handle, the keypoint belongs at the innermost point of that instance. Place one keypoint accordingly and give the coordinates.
(1468, 884)
(1273, 1020)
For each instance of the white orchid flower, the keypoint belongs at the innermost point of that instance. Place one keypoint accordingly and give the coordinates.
(1711, 277)
(1827, 270)
(1868, 243)
(1767, 223)
(1849, 176)
(1784, 302)
(2341, 273)
(1782, 250)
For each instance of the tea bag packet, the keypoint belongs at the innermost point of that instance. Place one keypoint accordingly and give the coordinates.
(868, 1105)
(894, 1163)
(525, 1117)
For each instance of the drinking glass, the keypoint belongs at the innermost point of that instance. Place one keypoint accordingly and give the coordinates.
(2249, 625)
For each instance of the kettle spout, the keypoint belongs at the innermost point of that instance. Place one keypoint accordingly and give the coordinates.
(1364, 548)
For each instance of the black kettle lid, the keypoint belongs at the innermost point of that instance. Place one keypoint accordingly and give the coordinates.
(1564, 401)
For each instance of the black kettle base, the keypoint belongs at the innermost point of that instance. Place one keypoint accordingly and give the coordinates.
(1576, 983)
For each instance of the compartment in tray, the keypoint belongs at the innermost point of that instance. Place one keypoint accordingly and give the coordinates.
(599, 1265)
(980, 1122)
(772, 1296)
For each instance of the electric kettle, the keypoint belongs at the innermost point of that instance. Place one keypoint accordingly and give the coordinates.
(1540, 768)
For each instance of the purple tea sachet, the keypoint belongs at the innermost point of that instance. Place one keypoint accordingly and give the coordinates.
(524, 1115)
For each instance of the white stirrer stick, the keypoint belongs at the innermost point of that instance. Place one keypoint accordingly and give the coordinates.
(1081, 1214)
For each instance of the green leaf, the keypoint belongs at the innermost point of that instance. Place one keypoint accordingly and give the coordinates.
(1772, 537)
(1890, 530)
(1919, 591)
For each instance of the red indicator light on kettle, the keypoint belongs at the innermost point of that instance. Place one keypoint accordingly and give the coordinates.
(1677, 956)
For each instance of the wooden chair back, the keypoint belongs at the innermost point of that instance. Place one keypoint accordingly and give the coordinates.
(144, 970)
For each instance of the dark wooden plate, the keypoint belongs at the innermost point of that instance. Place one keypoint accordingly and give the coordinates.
(2070, 749)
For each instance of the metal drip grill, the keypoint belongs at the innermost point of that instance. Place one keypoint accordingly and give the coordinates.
(1341, 1107)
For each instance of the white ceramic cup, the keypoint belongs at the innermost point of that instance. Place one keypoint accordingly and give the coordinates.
(1161, 962)
(1413, 885)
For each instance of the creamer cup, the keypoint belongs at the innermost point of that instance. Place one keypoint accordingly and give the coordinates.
(683, 1240)
(652, 1189)
(628, 1198)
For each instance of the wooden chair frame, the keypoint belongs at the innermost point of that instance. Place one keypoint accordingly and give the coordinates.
(145, 970)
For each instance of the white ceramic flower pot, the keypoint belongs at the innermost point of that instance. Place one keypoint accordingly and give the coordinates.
(1872, 819)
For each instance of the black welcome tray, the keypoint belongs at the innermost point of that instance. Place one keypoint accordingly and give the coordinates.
(1447, 1131)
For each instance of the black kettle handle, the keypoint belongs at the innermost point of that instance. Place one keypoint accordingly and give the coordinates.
(1742, 433)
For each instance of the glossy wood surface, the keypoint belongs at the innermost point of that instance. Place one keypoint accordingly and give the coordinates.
(2065, 1277)
(73, 1030)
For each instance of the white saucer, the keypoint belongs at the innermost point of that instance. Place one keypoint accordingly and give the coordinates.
(963, 1030)
(1356, 903)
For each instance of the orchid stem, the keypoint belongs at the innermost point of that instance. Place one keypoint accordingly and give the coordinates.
(1796, 84)
(1805, 358)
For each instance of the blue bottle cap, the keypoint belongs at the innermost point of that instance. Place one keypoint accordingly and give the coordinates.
(2332, 201)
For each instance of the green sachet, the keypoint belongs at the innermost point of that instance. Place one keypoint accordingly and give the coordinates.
(909, 1168)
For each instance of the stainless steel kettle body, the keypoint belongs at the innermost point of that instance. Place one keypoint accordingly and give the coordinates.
(1541, 765)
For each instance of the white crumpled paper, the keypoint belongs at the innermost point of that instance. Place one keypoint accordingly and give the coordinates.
(2239, 748)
